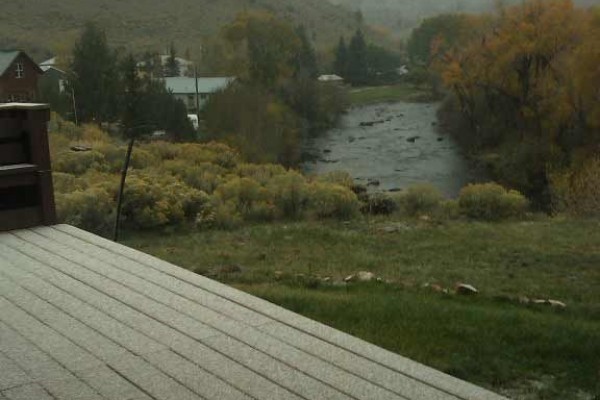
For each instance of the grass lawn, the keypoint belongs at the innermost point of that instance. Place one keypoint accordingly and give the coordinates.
(524, 351)
(383, 94)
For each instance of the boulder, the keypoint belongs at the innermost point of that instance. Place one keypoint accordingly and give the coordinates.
(551, 303)
(350, 278)
(365, 276)
(557, 304)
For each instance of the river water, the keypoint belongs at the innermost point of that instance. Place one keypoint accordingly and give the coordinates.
(389, 147)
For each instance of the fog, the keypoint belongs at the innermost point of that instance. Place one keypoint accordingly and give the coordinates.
(400, 16)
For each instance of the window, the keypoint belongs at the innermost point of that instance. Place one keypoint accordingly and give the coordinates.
(20, 71)
(12, 98)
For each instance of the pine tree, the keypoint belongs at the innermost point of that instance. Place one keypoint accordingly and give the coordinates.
(94, 77)
(357, 70)
(340, 64)
(306, 60)
(172, 66)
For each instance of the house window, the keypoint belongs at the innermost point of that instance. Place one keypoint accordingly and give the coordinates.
(11, 98)
(20, 70)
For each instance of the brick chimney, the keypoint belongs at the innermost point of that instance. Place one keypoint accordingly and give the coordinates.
(26, 192)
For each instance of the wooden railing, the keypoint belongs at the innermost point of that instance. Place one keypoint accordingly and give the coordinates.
(26, 192)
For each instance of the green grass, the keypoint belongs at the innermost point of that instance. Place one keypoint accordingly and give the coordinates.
(384, 94)
(530, 352)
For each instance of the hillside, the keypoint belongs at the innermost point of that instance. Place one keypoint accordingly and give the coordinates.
(42, 27)
(400, 16)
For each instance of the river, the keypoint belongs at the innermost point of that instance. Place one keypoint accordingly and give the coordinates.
(389, 147)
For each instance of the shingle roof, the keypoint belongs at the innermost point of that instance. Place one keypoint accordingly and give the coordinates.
(6, 59)
(181, 85)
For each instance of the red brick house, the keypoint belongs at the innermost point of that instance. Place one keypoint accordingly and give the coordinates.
(18, 77)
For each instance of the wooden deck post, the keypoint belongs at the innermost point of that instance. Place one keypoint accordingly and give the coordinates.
(26, 190)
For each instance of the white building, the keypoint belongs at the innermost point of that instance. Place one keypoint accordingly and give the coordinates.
(185, 89)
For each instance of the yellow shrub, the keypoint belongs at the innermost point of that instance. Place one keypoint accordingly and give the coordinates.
(289, 193)
(243, 193)
(66, 183)
(262, 173)
(420, 199)
(342, 178)
(152, 201)
(332, 201)
(491, 201)
(78, 163)
(163, 150)
(91, 209)
(93, 134)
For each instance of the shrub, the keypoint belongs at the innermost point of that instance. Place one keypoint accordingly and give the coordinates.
(205, 176)
(341, 178)
(220, 216)
(262, 173)
(78, 163)
(332, 201)
(66, 183)
(289, 193)
(91, 209)
(216, 153)
(243, 193)
(379, 204)
(420, 199)
(491, 202)
(164, 150)
(93, 134)
(152, 201)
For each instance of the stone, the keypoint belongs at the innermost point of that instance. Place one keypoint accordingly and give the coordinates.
(466, 289)
(436, 288)
(350, 278)
(278, 274)
(80, 148)
(551, 303)
(557, 304)
(365, 276)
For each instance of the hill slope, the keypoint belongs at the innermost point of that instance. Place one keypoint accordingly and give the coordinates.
(41, 26)
(400, 16)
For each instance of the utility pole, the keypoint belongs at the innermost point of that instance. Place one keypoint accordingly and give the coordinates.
(197, 100)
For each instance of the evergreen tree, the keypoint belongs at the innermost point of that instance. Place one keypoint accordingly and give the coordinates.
(172, 66)
(94, 77)
(358, 69)
(306, 61)
(340, 64)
